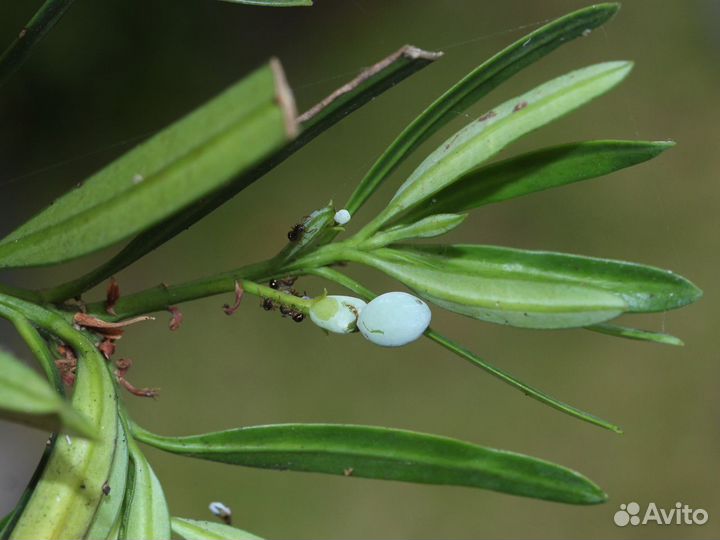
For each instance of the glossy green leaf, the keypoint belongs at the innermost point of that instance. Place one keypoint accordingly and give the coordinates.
(369, 84)
(26, 398)
(187, 161)
(193, 529)
(636, 334)
(145, 512)
(387, 454)
(530, 289)
(273, 3)
(427, 227)
(477, 84)
(536, 171)
(489, 134)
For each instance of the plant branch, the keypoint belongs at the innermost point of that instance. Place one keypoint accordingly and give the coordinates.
(30, 35)
(160, 297)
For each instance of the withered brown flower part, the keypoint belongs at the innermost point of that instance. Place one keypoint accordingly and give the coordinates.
(239, 292)
(176, 319)
(123, 366)
(112, 296)
(107, 348)
(67, 365)
(109, 330)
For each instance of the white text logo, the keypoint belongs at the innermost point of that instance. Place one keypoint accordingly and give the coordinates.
(680, 514)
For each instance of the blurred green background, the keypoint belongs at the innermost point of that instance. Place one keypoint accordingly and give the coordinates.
(113, 72)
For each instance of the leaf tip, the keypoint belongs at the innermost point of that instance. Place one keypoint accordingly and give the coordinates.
(285, 98)
(416, 53)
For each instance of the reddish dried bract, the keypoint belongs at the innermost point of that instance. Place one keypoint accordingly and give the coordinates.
(239, 292)
(67, 365)
(176, 319)
(107, 348)
(112, 296)
(109, 330)
(123, 365)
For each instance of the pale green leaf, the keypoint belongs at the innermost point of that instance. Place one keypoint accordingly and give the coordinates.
(530, 289)
(145, 512)
(193, 529)
(490, 133)
(189, 160)
(26, 398)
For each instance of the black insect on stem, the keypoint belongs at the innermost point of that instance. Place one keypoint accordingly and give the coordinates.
(296, 233)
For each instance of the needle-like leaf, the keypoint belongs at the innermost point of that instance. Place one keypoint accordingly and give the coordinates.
(477, 84)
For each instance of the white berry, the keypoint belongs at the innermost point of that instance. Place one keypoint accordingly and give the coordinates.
(337, 314)
(342, 217)
(394, 319)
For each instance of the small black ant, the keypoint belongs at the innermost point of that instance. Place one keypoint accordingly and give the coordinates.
(293, 314)
(282, 284)
(296, 233)
(267, 304)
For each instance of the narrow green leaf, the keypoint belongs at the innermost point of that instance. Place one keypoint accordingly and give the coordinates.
(27, 399)
(183, 163)
(30, 36)
(387, 454)
(367, 295)
(536, 171)
(636, 333)
(427, 227)
(369, 84)
(145, 513)
(528, 390)
(193, 529)
(273, 3)
(477, 84)
(530, 289)
(490, 133)
(5, 522)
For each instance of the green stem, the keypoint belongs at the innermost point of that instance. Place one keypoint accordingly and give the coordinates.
(161, 297)
(30, 35)
(279, 297)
